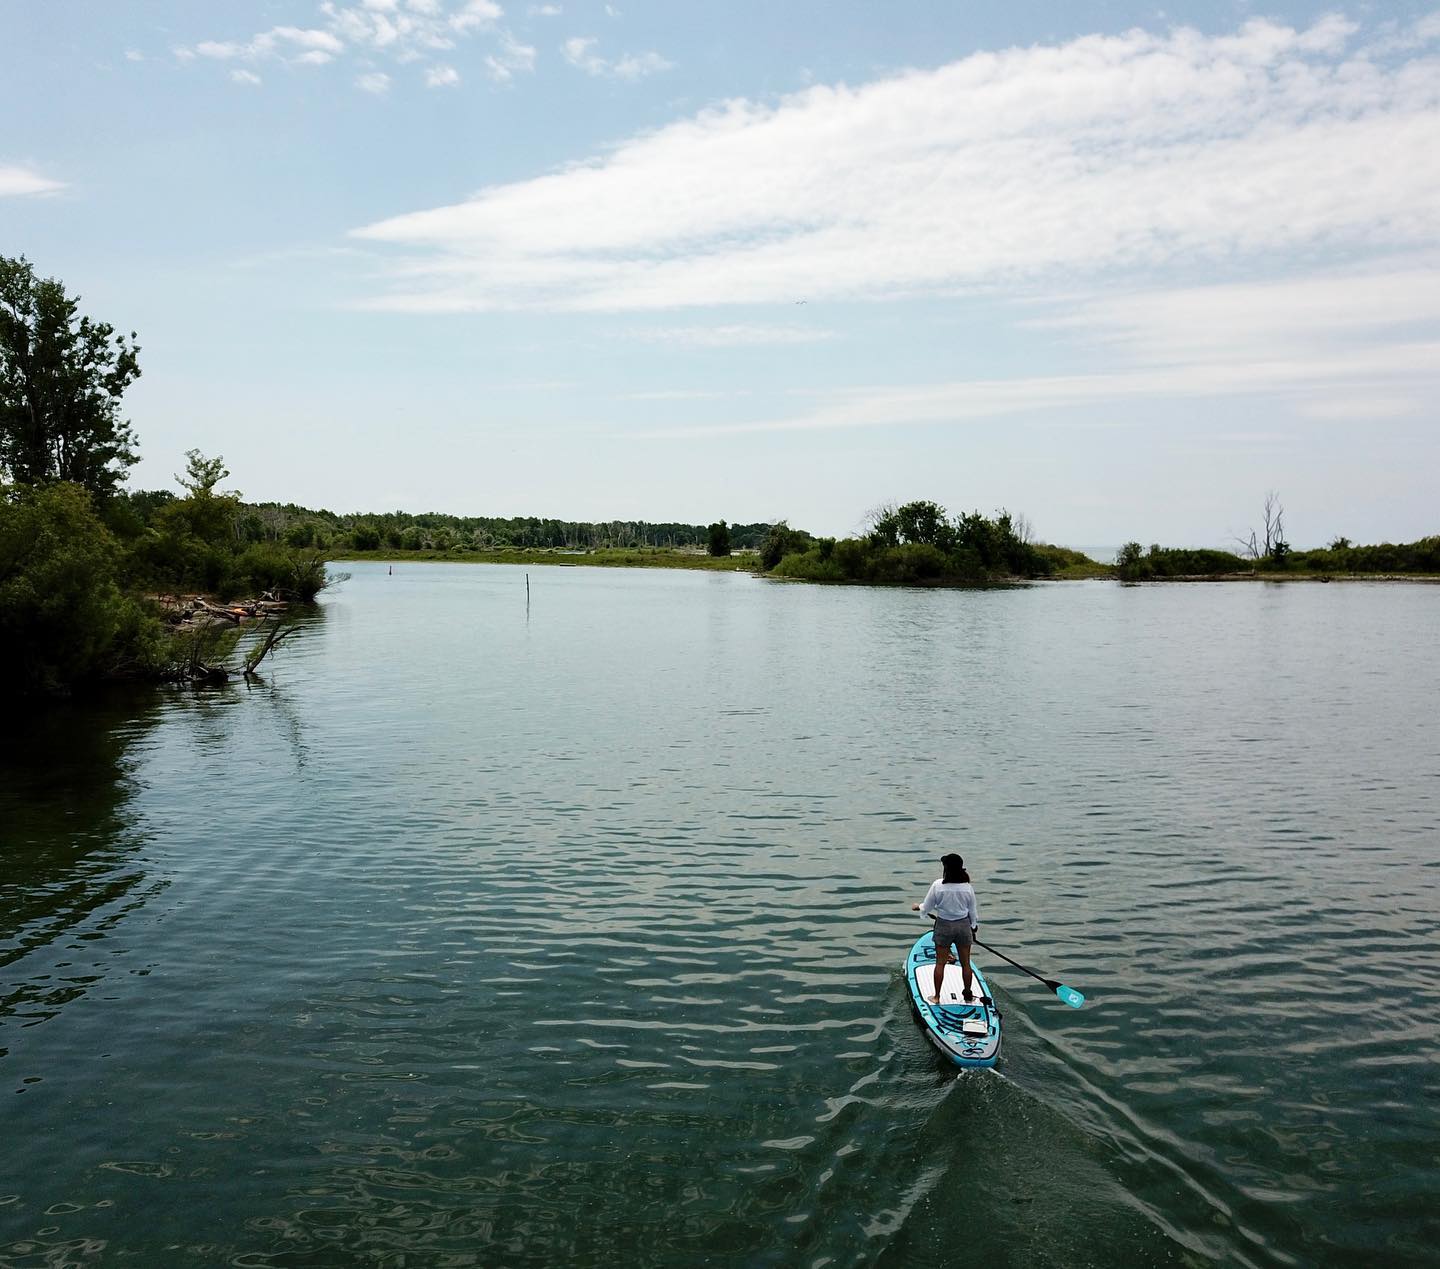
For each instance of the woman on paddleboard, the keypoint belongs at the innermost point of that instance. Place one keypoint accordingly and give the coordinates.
(951, 900)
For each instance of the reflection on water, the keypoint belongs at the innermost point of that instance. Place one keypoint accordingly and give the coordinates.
(487, 933)
(69, 871)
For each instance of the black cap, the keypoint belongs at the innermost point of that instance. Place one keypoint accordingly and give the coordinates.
(955, 859)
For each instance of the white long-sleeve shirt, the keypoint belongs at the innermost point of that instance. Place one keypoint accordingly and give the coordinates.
(952, 901)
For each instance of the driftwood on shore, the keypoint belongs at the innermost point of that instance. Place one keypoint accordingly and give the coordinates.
(183, 611)
(206, 634)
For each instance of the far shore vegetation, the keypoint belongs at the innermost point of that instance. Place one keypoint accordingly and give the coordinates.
(99, 582)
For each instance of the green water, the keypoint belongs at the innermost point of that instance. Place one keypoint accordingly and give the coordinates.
(479, 936)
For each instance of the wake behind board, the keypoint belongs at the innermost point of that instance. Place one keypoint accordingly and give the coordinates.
(967, 1034)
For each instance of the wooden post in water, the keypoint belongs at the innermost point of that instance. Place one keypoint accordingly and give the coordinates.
(527, 594)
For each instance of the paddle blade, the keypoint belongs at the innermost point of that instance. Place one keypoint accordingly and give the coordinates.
(1070, 996)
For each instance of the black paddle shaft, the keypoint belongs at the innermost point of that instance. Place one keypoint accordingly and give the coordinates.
(1049, 982)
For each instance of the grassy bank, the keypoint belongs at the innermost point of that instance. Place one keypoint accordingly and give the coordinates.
(604, 557)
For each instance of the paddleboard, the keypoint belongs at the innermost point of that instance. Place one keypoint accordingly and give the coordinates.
(967, 1034)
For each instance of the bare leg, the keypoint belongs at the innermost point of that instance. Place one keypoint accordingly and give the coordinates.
(965, 969)
(942, 958)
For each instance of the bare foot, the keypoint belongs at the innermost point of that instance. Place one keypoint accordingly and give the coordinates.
(932, 1000)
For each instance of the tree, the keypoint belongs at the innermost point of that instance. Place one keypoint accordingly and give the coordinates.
(61, 379)
(1130, 562)
(202, 475)
(366, 537)
(719, 543)
(924, 522)
(203, 513)
(63, 618)
(780, 541)
(1273, 544)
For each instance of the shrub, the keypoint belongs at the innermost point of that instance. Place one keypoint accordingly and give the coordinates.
(810, 566)
(1131, 564)
(781, 541)
(63, 618)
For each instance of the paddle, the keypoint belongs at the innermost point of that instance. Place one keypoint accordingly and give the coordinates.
(1069, 995)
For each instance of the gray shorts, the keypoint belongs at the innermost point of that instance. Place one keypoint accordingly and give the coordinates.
(956, 933)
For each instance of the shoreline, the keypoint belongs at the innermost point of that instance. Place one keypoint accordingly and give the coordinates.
(604, 557)
(749, 562)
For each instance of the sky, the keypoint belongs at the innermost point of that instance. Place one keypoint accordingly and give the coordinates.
(1120, 268)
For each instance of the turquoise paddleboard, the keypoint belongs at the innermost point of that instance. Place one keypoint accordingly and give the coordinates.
(967, 1034)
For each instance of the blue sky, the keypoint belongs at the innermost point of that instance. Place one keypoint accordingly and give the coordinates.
(1120, 268)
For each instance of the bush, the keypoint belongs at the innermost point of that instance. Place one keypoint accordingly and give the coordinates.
(288, 573)
(810, 566)
(1131, 564)
(781, 541)
(63, 619)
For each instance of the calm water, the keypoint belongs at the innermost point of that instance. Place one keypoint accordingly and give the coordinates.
(474, 937)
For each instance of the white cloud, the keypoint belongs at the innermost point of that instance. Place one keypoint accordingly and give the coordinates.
(441, 77)
(576, 51)
(1358, 407)
(476, 14)
(638, 65)
(685, 394)
(1304, 382)
(1315, 316)
(134, 55)
(405, 30)
(511, 58)
(16, 180)
(376, 82)
(1002, 170)
(1349, 346)
(732, 336)
(545, 10)
(286, 43)
(245, 77)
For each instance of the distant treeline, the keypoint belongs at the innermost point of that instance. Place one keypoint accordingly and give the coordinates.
(436, 531)
(1136, 564)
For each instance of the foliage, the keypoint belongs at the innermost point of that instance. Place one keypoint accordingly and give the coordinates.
(1135, 565)
(366, 537)
(1071, 564)
(63, 617)
(781, 541)
(401, 530)
(61, 379)
(1341, 556)
(1130, 562)
(915, 543)
(719, 539)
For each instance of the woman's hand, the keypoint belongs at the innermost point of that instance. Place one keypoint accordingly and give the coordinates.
(914, 907)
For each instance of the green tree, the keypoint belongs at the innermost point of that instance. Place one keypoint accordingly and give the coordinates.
(204, 513)
(925, 523)
(63, 618)
(1130, 562)
(365, 537)
(719, 534)
(61, 379)
(780, 541)
(202, 474)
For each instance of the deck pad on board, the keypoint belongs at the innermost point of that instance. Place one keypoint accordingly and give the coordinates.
(951, 989)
